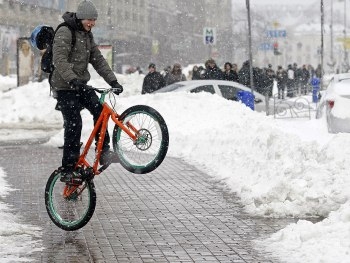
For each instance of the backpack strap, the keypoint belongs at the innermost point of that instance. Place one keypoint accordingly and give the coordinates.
(74, 38)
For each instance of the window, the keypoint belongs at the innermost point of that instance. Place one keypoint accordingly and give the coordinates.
(171, 87)
(206, 88)
(228, 92)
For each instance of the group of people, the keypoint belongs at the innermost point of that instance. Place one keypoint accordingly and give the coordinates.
(154, 80)
(291, 81)
(212, 71)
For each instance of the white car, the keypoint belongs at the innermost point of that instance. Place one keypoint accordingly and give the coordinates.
(226, 89)
(335, 104)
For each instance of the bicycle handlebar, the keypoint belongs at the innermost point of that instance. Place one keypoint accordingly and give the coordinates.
(103, 91)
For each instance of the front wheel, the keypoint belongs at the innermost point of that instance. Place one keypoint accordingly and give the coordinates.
(69, 207)
(150, 148)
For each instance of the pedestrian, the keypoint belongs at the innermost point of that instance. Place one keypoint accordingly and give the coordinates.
(281, 78)
(297, 79)
(235, 68)
(212, 71)
(153, 80)
(201, 70)
(229, 73)
(244, 74)
(270, 73)
(258, 77)
(165, 72)
(305, 77)
(175, 75)
(318, 71)
(69, 80)
(139, 70)
(196, 74)
(290, 81)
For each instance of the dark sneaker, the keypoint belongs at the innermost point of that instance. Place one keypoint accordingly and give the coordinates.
(72, 177)
(108, 157)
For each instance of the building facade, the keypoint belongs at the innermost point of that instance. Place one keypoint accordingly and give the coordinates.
(140, 31)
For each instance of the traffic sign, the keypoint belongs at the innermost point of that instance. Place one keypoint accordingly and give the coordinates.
(266, 46)
(209, 35)
(276, 33)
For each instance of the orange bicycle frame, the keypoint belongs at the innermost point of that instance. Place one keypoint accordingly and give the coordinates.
(101, 127)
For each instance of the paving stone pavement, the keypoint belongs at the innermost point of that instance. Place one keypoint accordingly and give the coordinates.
(174, 214)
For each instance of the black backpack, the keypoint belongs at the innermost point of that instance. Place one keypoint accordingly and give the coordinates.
(46, 60)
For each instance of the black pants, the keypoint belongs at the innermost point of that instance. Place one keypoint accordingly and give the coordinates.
(281, 87)
(70, 104)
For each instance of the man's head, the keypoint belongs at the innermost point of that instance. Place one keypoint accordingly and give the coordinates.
(152, 67)
(211, 63)
(87, 13)
(177, 67)
(86, 10)
(228, 66)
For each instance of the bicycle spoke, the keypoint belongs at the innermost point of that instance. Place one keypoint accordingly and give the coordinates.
(70, 207)
(148, 150)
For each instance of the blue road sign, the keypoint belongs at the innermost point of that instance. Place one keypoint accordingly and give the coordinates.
(276, 33)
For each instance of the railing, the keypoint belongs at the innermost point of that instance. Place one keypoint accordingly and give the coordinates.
(298, 107)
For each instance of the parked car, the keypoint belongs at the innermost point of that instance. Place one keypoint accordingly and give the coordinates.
(335, 104)
(223, 88)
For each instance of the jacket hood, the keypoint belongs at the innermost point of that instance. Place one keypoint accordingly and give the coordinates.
(71, 19)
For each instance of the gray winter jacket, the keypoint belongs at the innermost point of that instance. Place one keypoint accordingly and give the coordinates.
(72, 62)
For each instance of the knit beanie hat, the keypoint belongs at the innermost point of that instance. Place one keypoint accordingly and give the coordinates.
(86, 10)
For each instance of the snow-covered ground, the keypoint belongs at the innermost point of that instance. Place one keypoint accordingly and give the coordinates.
(278, 167)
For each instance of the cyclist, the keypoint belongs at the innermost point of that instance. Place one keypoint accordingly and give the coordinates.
(69, 80)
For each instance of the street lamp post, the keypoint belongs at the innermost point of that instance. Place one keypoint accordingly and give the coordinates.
(322, 29)
(332, 42)
(346, 62)
(250, 49)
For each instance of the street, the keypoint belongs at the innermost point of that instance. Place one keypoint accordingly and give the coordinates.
(174, 214)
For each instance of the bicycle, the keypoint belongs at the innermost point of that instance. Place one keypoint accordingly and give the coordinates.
(140, 139)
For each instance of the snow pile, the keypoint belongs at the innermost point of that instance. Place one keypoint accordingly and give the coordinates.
(16, 239)
(278, 167)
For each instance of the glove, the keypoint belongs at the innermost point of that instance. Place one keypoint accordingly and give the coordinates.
(117, 88)
(77, 84)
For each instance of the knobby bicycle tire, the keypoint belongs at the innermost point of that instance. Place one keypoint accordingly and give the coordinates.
(74, 211)
(150, 149)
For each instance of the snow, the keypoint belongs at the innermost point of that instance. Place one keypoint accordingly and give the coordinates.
(278, 167)
(15, 238)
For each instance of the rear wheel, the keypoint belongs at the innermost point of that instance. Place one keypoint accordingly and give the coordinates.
(150, 148)
(69, 207)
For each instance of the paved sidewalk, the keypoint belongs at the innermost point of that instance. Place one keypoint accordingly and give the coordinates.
(174, 214)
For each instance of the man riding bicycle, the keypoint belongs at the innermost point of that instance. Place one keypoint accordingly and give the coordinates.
(69, 80)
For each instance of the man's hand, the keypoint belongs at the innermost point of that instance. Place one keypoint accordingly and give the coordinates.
(77, 84)
(117, 88)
